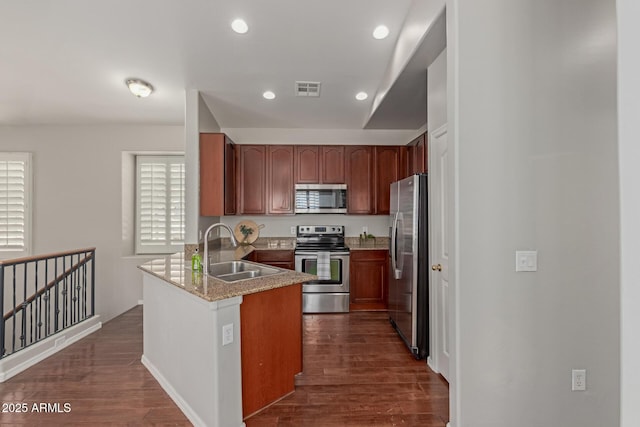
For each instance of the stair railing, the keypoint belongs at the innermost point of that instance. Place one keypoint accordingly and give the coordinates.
(46, 294)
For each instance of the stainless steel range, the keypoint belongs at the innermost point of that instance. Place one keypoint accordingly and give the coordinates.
(320, 250)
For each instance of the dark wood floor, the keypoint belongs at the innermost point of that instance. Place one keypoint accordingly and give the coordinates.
(356, 373)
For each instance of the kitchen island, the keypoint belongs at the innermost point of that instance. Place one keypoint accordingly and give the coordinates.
(221, 350)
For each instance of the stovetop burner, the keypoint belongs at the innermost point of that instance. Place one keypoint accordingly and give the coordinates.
(320, 238)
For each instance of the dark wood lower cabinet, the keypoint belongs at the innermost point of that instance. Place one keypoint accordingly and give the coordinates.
(369, 283)
(281, 258)
(271, 342)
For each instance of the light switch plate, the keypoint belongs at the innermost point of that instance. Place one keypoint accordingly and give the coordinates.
(526, 260)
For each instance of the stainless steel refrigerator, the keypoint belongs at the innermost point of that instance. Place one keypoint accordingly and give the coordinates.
(409, 275)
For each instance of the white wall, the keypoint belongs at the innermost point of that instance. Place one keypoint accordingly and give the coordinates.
(437, 92)
(321, 136)
(77, 199)
(629, 158)
(537, 169)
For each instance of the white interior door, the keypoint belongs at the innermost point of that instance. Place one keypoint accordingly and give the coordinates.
(440, 234)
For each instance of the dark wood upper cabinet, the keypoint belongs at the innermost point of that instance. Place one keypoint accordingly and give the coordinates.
(417, 155)
(319, 164)
(307, 164)
(252, 173)
(280, 179)
(359, 171)
(388, 168)
(217, 175)
(332, 164)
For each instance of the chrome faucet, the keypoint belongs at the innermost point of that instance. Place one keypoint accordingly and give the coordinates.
(234, 242)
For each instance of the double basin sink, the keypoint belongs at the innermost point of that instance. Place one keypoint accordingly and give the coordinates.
(233, 271)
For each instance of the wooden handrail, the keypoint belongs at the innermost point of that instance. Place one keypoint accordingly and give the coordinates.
(41, 257)
(52, 283)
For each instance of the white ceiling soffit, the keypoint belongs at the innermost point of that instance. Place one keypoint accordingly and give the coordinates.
(401, 99)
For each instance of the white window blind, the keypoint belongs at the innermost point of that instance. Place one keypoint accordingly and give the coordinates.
(160, 220)
(15, 193)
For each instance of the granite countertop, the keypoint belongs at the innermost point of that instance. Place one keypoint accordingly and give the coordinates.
(175, 270)
(378, 243)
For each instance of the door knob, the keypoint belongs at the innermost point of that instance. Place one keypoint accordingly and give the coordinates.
(436, 267)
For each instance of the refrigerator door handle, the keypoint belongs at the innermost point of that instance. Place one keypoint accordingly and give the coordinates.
(397, 268)
(394, 233)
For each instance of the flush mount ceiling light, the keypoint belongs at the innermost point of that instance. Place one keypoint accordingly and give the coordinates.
(380, 32)
(139, 88)
(268, 95)
(361, 96)
(239, 26)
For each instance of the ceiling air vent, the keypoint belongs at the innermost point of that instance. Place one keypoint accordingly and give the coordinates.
(307, 88)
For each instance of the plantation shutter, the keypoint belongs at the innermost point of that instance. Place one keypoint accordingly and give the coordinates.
(160, 204)
(14, 202)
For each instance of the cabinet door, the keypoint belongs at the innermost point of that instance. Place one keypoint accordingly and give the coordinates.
(252, 174)
(368, 280)
(359, 165)
(388, 169)
(211, 175)
(420, 159)
(229, 177)
(417, 155)
(307, 164)
(280, 179)
(332, 164)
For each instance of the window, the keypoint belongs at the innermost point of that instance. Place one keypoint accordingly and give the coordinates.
(160, 192)
(15, 197)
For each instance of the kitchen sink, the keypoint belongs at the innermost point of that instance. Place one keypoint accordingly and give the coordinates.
(233, 271)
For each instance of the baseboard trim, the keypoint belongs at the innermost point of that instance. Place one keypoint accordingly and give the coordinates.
(13, 364)
(186, 409)
(431, 365)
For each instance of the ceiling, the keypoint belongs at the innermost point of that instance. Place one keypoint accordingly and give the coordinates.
(65, 62)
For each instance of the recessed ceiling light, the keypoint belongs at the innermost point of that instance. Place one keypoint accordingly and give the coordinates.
(268, 95)
(361, 96)
(380, 32)
(239, 26)
(139, 88)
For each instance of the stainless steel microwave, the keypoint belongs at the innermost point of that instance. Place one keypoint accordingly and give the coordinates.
(321, 198)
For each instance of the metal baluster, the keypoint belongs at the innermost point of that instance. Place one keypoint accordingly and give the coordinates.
(55, 296)
(93, 282)
(23, 337)
(47, 301)
(64, 293)
(2, 322)
(84, 287)
(13, 316)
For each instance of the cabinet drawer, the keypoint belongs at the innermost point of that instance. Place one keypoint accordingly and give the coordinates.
(267, 256)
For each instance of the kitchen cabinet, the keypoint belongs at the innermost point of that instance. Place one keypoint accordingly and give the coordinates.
(307, 164)
(417, 155)
(369, 282)
(280, 179)
(252, 172)
(271, 345)
(332, 164)
(389, 167)
(217, 175)
(316, 164)
(359, 174)
(280, 258)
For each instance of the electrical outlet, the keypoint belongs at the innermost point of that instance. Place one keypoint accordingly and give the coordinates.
(227, 334)
(199, 235)
(578, 380)
(526, 260)
(293, 230)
